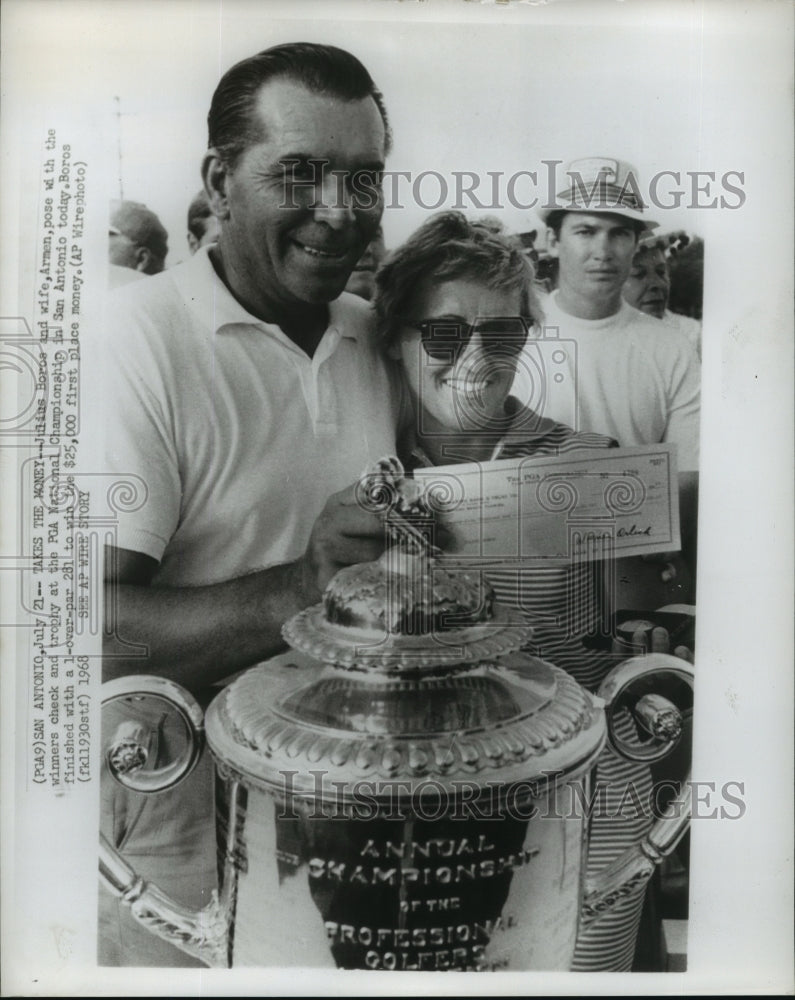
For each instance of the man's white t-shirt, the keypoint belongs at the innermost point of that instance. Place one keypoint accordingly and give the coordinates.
(691, 328)
(237, 436)
(628, 376)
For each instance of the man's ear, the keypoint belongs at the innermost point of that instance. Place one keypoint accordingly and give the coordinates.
(552, 242)
(143, 259)
(215, 174)
(393, 350)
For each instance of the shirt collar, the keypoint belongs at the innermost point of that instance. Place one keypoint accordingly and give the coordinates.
(619, 316)
(211, 300)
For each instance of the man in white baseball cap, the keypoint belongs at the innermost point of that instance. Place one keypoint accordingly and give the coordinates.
(632, 380)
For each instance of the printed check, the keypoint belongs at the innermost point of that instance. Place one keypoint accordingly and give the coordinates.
(620, 501)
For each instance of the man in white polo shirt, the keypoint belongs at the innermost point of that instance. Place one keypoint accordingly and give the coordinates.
(244, 390)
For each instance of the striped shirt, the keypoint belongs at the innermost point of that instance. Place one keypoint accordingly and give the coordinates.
(565, 604)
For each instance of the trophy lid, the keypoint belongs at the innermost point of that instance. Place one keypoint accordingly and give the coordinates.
(407, 612)
(298, 727)
(408, 678)
(376, 650)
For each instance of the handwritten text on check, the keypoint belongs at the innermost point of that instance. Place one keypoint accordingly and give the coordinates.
(621, 501)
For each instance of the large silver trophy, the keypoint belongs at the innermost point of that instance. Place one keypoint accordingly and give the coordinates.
(407, 791)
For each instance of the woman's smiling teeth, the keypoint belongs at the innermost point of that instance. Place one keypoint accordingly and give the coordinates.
(466, 385)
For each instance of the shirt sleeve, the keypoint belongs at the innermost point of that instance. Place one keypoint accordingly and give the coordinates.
(139, 442)
(684, 408)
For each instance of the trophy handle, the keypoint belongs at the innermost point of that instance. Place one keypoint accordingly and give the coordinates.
(663, 721)
(203, 934)
(128, 748)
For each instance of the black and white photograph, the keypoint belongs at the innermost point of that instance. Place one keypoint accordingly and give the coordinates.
(397, 447)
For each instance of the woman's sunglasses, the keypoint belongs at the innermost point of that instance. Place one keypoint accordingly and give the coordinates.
(446, 339)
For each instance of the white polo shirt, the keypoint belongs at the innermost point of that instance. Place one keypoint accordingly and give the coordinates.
(239, 436)
(628, 376)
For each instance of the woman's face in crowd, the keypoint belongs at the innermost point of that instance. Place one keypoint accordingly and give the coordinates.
(648, 285)
(468, 392)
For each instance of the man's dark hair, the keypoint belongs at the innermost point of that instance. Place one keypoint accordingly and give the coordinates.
(555, 221)
(198, 212)
(324, 69)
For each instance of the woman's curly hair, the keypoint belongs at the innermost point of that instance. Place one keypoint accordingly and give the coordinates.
(446, 247)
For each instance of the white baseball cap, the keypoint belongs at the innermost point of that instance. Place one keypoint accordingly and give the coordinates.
(600, 184)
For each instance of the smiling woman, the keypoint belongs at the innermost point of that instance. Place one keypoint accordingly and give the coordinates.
(458, 372)
(455, 304)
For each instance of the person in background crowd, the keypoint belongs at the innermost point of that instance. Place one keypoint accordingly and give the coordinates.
(687, 280)
(362, 279)
(648, 289)
(246, 393)
(138, 241)
(628, 376)
(544, 266)
(203, 227)
(648, 284)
